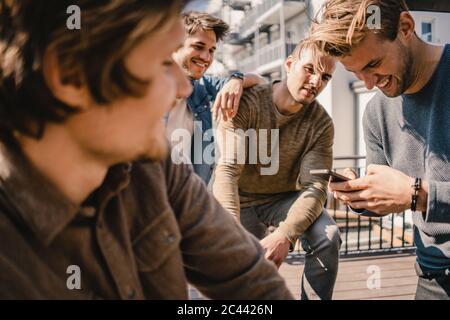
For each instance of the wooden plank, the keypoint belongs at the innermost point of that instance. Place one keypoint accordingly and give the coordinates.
(375, 293)
(398, 278)
(384, 283)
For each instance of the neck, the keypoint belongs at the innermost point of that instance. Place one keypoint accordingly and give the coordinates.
(425, 63)
(283, 99)
(63, 163)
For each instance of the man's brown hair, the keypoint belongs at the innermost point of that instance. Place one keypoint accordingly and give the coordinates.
(92, 55)
(194, 21)
(342, 24)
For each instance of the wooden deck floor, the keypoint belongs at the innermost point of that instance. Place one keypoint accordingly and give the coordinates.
(397, 277)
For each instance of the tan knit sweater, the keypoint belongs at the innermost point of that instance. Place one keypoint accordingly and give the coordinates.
(305, 142)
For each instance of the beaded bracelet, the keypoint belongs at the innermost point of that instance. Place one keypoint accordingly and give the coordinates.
(417, 185)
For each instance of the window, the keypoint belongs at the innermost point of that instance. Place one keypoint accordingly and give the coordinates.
(427, 31)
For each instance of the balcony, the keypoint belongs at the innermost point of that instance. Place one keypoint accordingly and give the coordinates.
(267, 13)
(237, 4)
(235, 39)
(267, 58)
(249, 24)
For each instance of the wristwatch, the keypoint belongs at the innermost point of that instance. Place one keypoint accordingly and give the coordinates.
(237, 75)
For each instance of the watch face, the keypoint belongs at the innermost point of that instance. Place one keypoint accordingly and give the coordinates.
(238, 75)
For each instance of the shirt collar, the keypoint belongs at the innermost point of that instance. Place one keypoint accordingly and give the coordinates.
(36, 201)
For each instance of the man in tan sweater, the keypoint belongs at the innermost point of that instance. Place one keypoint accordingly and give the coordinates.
(277, 189)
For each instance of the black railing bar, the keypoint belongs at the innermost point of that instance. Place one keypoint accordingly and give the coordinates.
(381, 233)
(392, 230)
(346, 229)
(370, 233)
(349, 158)
(378, 251)
(359, 233)
(403, 229)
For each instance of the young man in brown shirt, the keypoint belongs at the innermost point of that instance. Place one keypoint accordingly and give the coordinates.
(90, 204)
(283, 193)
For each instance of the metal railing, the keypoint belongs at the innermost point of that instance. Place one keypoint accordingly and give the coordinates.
(266, 55)
(266, 5)
(360, 235)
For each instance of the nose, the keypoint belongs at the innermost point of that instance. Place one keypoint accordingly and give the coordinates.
(184, 86)
(315, 80)
(369, 80)
(205, 55)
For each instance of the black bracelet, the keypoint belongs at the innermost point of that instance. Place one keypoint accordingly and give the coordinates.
(417, 185)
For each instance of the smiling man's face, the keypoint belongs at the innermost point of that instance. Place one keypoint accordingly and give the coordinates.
(304, 81)
(197, 53)
(381, 63)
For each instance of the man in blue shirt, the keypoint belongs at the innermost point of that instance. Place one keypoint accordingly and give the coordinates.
(406, 126)
(195, 116)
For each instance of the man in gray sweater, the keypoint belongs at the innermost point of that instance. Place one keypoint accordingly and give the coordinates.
(406, 127)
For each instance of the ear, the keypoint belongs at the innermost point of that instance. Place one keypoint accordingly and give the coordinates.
(406, 25)
(68, 93)
(289, 63)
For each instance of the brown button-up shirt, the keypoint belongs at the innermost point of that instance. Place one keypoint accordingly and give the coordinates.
(147, 231)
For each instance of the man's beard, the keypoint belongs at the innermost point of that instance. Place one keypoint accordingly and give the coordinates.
(406, 70)
(189, 73)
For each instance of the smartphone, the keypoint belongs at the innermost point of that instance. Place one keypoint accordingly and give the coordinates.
(326, 174)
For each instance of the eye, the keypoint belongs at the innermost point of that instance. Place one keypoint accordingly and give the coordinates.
(309, 69)
(374, 64)
(326, 78)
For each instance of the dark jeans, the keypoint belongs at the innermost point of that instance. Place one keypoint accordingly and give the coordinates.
(437, 288)
(321, 241)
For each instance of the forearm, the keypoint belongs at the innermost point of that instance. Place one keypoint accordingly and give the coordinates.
(252, 79)
(226, 190)
(302, 214)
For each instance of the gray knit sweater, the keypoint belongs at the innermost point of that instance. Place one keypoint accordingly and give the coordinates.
(411, 133)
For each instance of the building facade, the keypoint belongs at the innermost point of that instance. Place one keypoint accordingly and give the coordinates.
(264, 33)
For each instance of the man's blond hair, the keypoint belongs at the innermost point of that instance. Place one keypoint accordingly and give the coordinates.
(308, 44)
(342, 24)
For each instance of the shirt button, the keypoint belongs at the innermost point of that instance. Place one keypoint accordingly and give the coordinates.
(195, 114)
(170, 239)
(88, 212)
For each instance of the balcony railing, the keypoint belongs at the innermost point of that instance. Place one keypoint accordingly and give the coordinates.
(266, 55)
(249, 23)
(360, 234)
(237, 4)
(271, 52)
(266, 5)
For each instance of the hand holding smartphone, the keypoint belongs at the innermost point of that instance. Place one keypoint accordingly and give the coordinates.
(326, 174)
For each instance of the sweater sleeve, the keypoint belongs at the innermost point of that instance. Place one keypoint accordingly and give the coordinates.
(438, 204)
(374, 145)
(232, 156)
(309, 205)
